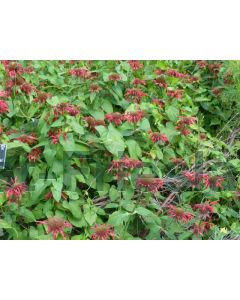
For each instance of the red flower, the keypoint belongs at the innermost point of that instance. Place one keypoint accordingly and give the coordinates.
(13, 69)
(34, 155)
(201, 227)
(82, 73)
(115, 118)
(187, 120)
(9, 84)
(114, 77)
(216, 91)
(156, 137)
(27, 88)
(42, 97)
(55, 226)
(125, 162)
(55, 135)
(150, 183)
(134, 95)
(201, 64)
(135, 64)
(94, 88)
(133, 117)
(158, 102)
(178, 161)
(175, 94)
(92, 123)
(15, 191)
(5, 94)
(174, 73)
(205, 209)
(29, 139)
(63, 108)
(102, 232)
(160, 82)
(137, 81)
(159, 72)
(3, 107)
(179, 214)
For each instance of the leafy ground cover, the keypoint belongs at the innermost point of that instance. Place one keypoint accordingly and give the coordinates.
(120, 150)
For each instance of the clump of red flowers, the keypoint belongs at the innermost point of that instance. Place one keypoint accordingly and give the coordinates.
(92, 123)
(138, 81)
(174, 73)
(102, 232)
(158, 137)
(158, 102)
(125, 162)
(196, 178)
(135, 65)
(205, 209)
(81, 72)
(183, 123)
(27, 88)
(160, 82)
(134, 117)
(3, 107)
(65, 108)
(134, 95)
(179, 214)
(94, 88)
(29, 139)
(55, 226)
(14, 190)
(116, 118)
(34, 155)
(201, 227)
(114, 77)
(55, 135)
(202, 64)
(13, 69)
(42, 97)
(178, 94)
(150, 183)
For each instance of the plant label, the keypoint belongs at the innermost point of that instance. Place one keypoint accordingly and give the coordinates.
(3, 151)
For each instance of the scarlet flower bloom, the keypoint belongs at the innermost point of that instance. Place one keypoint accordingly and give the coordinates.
(34, 155)
(213, 181)
(185, 131)
(150, 183)
(192, 79)
(93, 122)
(214, 68)
(29, 139)
(216, 91)
(134, 95)
(115, 118)
(134, 117)
(157, 136)
(160, 82)
(158, 102)
(13, 69)
(63, 108)
(174, 73)
(135, 65)
(42, 97)
(5, 94)
(29, 70)
(205, 209)
(54, 135)
(178, 161)
(102, 232)
(81, 72)
(55, 226)
(15, 190)
(27, 88)
(175, 94)
(202, 64)
(159, 72)
(94, 88)
(3, 107)
(125, 162)
(114, 77)
(201, 227)
(9, 84)
(179, 214)
(197, 178)
(187, 120)
(137, 81)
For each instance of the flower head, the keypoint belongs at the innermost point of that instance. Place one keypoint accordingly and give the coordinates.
(138, 81)
(160, 82)
(29, 139)
(34, 155)
(94, 88)
(114, 77)
(42, 98)
(81, 72)
(55, 226)
(150, 183)
(116, 118)
(179, 214)
(157, 136)
(201, 227)
(134, 117)
(3, 107)
(134, 95)
(102, 232)
(93, 122)
(135, 65)
(205, 209)
(15, 190)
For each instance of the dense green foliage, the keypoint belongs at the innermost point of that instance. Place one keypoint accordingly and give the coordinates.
(120, 150)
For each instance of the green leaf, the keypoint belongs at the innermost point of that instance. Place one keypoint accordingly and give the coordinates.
(4, 224)
(172, 112)
(134, 149)
(118, 217)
